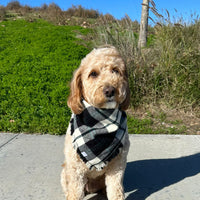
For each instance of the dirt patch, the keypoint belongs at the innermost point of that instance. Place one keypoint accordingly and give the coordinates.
(163, 117)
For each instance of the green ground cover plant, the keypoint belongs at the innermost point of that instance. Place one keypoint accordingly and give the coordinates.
(37, 61)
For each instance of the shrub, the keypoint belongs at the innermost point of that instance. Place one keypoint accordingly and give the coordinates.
(52, 13)
(108, 18)
(44, 7)
(79, 11)
(14, 5)
(2, 13)
(25, 10)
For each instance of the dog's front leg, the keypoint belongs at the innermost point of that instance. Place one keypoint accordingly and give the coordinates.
(114, 176)
(75, 185)
(114, 186)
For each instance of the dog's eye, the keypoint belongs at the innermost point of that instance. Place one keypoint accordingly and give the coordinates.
(115, 70)
(93, 74)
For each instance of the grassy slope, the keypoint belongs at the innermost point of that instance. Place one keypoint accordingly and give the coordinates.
(36, 64)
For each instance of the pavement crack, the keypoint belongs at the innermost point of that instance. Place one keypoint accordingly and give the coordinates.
(8, 141)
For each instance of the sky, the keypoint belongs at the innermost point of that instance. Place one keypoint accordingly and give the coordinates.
(118, 8)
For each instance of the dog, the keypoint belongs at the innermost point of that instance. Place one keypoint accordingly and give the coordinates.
(99, 85)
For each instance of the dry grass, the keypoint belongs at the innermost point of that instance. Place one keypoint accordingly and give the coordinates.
(168, 70)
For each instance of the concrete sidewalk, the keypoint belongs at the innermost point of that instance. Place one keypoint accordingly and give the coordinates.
(160, 167)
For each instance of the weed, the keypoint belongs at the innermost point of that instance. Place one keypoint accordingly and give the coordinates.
(139, 126)
(150, 125)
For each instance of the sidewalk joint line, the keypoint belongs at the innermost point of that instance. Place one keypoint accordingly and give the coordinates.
(8, 141)
(197, 138)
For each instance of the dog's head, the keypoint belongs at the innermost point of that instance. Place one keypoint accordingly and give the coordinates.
(101, 80)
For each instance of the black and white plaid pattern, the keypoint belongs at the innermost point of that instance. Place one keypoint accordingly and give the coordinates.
(98, 135)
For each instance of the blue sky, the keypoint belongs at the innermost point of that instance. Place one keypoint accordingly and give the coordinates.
(118, 8)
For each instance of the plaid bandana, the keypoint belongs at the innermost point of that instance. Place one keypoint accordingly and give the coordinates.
(98, 135)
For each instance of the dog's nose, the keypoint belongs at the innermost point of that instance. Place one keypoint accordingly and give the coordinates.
(109, 91)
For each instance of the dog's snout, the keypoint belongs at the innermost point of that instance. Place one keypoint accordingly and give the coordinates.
(109, 91)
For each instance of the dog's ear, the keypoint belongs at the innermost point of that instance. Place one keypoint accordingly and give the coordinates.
(125, 104)
(74, 100)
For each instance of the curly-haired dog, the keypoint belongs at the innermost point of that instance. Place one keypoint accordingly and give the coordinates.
(96, 143)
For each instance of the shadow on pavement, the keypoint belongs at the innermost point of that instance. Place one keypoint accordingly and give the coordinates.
(146, 177)
(98, 197)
